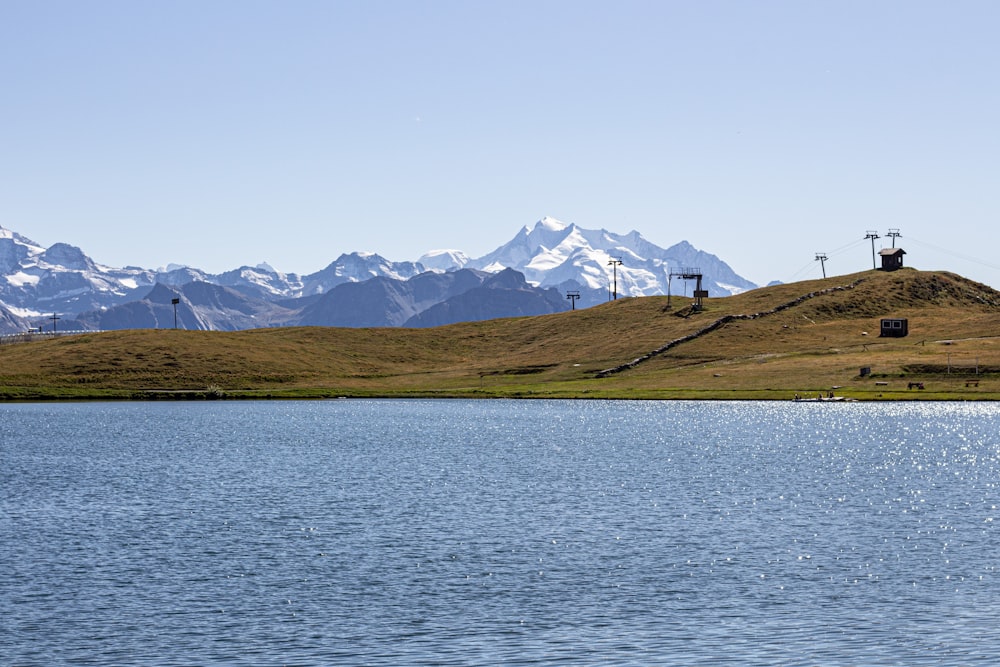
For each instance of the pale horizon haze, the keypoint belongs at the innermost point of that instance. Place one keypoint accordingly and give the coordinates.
(224, 133)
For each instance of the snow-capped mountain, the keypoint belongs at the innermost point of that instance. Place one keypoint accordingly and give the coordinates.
(357, 267)
(443, 260)
(36, 282)
(556, 254)
(428, 299)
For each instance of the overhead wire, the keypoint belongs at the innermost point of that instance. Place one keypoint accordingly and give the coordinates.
(968, 258)
(839, 251)
(854, 244)
(798, 273)
(844, 248)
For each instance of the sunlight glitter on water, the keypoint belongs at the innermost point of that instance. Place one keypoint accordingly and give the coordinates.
(541, 532)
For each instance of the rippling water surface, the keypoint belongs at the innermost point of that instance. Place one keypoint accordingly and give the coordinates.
(499, 532)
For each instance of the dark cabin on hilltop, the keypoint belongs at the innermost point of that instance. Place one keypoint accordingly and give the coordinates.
(892, 258)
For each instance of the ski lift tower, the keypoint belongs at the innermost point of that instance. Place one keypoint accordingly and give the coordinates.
(689, 273)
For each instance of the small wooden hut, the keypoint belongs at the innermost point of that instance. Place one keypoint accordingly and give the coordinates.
(892, 258)
(894, 327)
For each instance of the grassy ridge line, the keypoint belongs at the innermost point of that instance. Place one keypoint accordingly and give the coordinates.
(813, 337)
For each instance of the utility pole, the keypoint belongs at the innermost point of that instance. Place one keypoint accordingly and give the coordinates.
(54, 318)
(872, 235)
(614, 263)
(573, 296)
(893, 234)
(821, 258)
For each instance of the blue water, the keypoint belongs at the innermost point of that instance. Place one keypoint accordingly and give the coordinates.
(499, 532)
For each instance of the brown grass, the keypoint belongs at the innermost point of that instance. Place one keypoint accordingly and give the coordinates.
(812, 346)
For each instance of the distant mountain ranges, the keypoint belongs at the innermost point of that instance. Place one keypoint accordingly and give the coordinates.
(529, 275)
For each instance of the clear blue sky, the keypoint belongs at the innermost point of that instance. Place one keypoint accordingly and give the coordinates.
(221, 133)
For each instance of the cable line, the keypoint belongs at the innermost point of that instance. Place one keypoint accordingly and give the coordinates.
(798, 273)
(967, 258)
(844, 248)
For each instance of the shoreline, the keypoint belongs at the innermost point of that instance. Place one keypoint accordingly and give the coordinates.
(49, 395)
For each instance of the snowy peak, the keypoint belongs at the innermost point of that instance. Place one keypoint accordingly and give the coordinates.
(357, 267)
(550, 254)
(35, 280)
(443, 260)
(19, 239)
(67, 257)
(259, 281)
(554, 253)
(551, 224)
(15, 250)
(548, 233)
(179, 275)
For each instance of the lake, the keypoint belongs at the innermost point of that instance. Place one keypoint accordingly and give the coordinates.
(452, 532)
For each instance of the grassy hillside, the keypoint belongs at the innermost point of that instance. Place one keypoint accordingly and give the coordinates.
(804, 337)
